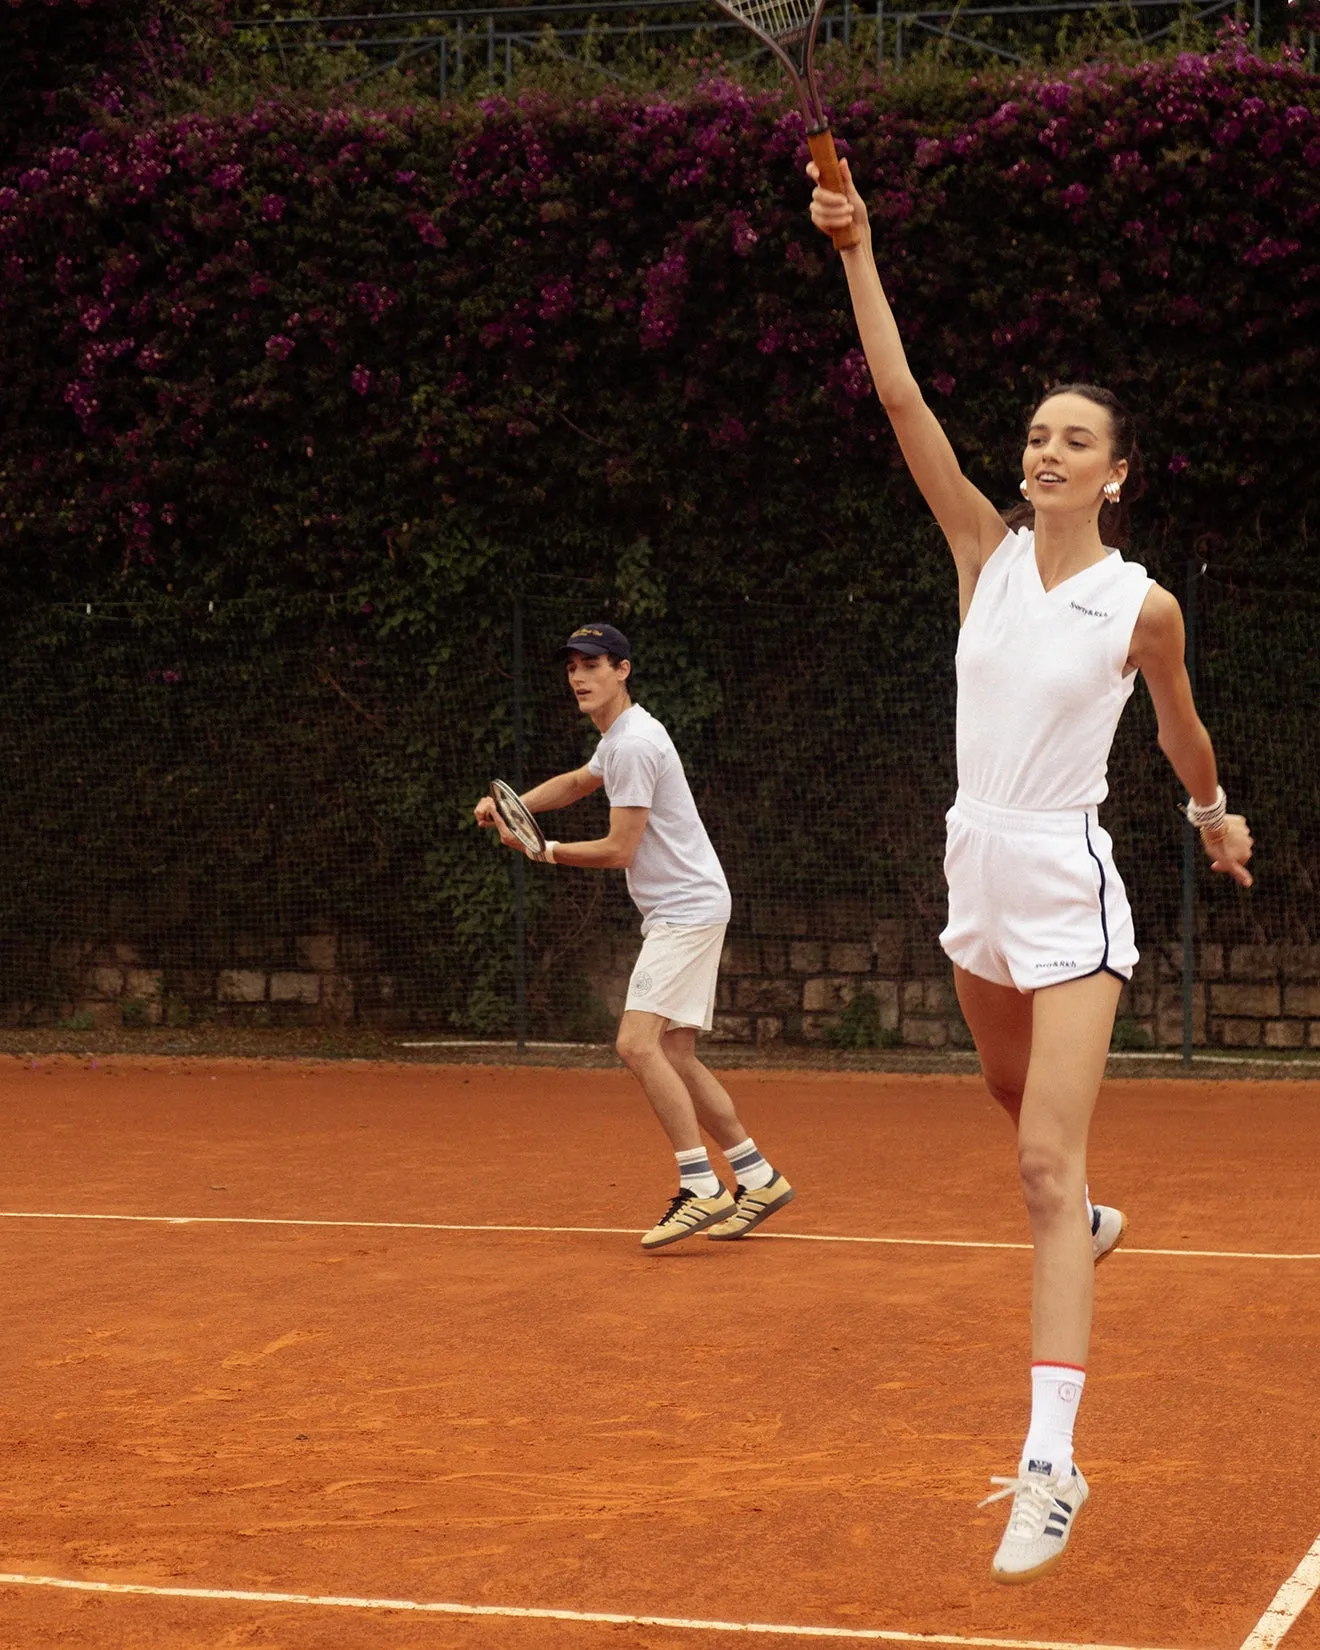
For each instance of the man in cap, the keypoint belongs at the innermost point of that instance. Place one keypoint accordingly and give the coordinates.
(677, 883)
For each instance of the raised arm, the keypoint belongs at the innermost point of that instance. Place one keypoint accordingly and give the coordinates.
(1158, 651)
(969, 521)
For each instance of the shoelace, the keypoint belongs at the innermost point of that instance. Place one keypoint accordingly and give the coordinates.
(680, 1198)
(1033, 1504)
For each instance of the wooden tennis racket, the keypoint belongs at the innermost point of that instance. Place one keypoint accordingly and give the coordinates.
(789, 28)
(517, 821)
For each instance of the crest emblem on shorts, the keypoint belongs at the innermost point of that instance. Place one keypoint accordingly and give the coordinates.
(642, 984)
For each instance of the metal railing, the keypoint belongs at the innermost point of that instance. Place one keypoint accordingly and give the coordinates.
(465, 42)
(941, 25)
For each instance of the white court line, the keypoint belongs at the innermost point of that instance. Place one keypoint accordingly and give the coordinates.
(1288, 1603)
(480, 1042)
(619, 1231)
(518, 1613)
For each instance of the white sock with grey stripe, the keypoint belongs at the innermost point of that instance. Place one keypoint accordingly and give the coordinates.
(750, 1168)
(695, 1174)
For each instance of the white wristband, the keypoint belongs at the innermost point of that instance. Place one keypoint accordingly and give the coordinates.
(1210, 818)
(548, 852)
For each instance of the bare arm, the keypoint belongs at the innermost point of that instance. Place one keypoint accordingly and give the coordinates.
(1158, 651)
(969, 521)
(607, 853)
(559, 792)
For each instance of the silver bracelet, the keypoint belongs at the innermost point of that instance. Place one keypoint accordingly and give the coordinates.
(548, 852)
(1211, 818)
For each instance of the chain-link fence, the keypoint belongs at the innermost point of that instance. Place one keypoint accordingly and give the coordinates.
(256, 816)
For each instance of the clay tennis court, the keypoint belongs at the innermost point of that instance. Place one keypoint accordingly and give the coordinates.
(336, 1335)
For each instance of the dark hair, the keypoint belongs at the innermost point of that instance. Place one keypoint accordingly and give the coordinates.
(1115, 519)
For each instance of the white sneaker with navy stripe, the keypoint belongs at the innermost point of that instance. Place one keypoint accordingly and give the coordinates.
(1107, 1229)
(1040, 1523)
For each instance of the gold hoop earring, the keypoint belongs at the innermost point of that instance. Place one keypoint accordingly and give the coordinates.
(1022, 487)
(1112, 491)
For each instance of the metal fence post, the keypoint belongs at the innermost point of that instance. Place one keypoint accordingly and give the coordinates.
(1195, 568)
(879, 35)
(519, 860)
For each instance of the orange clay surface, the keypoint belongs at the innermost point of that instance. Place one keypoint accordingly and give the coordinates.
(766, 1431)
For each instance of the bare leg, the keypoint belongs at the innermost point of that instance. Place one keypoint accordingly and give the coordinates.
(641, 1046)
(999, 1018)
(1071, 1028)
(1043, 1056)
(713, 1106)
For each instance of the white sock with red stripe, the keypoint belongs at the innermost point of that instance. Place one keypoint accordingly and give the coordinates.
(1056, 1392)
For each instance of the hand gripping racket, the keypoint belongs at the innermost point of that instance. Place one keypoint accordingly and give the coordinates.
(517, 820)
(789, 28)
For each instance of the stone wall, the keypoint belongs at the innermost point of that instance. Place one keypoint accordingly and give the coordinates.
(1244, 996)
(793, 988)
(313, 979)
(799, 989)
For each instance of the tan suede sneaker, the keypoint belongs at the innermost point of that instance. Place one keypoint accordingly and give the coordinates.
(753, 1208)
(688, 1214)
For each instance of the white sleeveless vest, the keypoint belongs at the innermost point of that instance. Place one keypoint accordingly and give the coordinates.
(1040, 678)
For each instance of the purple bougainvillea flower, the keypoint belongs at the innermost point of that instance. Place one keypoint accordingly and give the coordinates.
(1178, 463)
(361, 379)
(279, 347)
(272, 207)
(744, 236)
(429, 231)
(556, 299)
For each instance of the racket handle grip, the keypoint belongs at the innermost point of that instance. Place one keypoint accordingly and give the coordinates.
(823, 153)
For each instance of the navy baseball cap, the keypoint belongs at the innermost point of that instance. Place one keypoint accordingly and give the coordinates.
(598, 638)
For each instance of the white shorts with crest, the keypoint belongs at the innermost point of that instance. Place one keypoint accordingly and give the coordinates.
(676, 972)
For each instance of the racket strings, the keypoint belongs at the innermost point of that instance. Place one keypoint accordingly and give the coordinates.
(780, 19)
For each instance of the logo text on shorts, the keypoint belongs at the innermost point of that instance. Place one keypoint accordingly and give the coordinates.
(642, 983)
(1056, 964)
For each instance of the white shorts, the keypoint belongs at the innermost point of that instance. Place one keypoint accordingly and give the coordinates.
(675, 973)
(1034, 898)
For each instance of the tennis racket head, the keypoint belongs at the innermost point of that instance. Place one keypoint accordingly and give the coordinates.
(517, 821)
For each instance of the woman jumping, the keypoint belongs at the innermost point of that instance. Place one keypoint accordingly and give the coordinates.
(1055, 626)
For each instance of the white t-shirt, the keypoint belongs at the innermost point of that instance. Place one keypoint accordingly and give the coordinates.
(1040, 678)
(675, 875)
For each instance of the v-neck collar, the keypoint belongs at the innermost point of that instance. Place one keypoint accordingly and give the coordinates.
(1072, 577)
